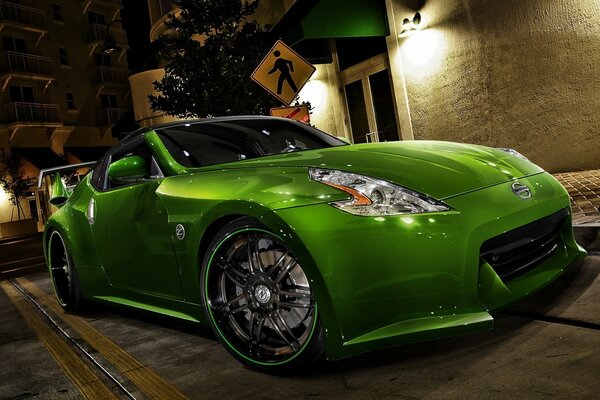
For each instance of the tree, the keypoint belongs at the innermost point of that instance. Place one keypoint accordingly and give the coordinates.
(211, 48)
(12, 179)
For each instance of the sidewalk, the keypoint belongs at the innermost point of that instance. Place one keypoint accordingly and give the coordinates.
(584, 189)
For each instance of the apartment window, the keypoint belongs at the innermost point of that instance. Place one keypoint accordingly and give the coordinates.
(108, 100)
(14, 44)
(95, 18)
(57, 12)
(63, 56)
(102, 60)
(21, 94)
(71, 101)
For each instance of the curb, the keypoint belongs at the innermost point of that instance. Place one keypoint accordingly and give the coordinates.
(21, 237)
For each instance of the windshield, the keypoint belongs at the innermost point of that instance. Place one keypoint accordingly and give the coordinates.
(208, 143)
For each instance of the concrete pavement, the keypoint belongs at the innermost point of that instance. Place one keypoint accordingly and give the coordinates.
(584, 190)
(547, 346)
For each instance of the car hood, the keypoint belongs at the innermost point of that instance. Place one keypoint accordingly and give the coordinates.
(438, 169)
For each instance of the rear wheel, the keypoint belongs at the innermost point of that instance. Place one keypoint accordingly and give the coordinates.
(63, 273)
(258, 299)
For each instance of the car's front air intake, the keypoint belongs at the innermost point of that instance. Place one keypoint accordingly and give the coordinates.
(516, 252)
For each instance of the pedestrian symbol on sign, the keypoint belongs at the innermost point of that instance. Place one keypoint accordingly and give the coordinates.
(285, 67)
(283, 72)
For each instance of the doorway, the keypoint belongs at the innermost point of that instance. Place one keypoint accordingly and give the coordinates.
(370, 101)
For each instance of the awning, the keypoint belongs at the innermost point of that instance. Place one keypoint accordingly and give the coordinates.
(40, 157)
(85, 154)
(312, 19)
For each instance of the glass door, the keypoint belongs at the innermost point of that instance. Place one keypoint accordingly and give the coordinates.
(370, 101)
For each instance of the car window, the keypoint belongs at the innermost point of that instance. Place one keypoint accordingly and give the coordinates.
(208, 143)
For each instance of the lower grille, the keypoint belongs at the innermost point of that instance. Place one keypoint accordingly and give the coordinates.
(516, 252)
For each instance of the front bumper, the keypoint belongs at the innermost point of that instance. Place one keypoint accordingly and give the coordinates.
(398, 279)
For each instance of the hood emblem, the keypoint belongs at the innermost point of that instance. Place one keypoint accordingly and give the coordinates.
(180, 232)
(521, 190)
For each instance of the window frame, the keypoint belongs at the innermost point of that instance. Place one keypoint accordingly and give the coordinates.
(57, 12)
(71, 100)
(64, 58)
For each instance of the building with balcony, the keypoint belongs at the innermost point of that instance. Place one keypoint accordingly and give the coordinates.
(22, 17)
(60, 94)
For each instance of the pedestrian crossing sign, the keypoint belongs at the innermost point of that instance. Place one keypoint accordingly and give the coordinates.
(283, 72)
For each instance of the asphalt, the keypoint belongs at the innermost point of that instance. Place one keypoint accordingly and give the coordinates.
(546, 346)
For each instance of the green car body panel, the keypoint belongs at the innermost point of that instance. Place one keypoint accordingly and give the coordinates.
(378, 281)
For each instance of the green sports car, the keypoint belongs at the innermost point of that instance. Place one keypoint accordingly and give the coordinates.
(290, 243)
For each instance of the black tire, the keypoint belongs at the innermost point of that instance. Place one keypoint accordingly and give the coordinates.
(258, 300)
(64, 274)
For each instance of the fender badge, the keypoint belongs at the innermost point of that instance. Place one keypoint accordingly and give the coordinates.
(521, 190)
(180, 232)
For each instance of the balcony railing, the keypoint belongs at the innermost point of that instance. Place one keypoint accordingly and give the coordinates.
(31, 112)
(98, 32)
(21, 14)
(111, 116)
(12, 61)
(110, 74)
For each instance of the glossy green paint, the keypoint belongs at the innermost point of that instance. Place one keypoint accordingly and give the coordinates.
(421, 273)
(378, 281)
(450, 168)
(170, 166)
(60, 194)
(128, 169)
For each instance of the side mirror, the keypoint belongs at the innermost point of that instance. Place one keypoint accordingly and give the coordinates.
(60, 194)
(128, 170)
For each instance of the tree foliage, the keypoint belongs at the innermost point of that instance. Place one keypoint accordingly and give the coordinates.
(12, 178)
(211, 49)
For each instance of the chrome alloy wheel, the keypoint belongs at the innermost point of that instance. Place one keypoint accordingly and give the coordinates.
(260, 300)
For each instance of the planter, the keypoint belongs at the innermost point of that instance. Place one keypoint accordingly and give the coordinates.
(18, 228)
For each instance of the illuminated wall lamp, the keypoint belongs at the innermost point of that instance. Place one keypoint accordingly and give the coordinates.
(411, 25)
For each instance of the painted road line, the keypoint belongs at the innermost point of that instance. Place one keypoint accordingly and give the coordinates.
(86, 380)
(144, 378)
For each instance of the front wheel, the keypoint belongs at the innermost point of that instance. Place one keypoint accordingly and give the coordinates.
(258, 299)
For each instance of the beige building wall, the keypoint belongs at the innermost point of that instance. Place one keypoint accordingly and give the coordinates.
(323, 93)
(142, 85)
(510, 73)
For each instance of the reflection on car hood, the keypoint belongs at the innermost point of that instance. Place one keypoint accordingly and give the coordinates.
(439, 169)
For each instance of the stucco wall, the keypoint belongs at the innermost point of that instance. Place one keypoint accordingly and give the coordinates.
(321, 91)
(513, 73)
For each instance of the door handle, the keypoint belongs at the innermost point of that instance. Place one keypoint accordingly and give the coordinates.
(91, 211)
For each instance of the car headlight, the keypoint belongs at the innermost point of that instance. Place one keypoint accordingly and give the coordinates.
(513, 152)
(374, 197)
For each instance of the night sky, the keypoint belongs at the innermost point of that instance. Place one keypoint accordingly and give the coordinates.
(136, 21)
